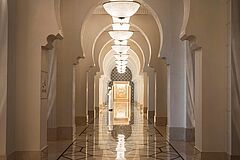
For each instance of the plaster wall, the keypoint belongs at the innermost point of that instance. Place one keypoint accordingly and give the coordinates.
(235, 78)
(11, 93)
(64, 99)
(211, 32)
(29, 39)
(80, 92)
(3, 76)
(161, 89)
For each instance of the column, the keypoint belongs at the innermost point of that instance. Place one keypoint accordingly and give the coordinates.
(29, 118)
(152, 94)
(161, 94)
(64, 97)
(90, 93)
(81, 110)
(96, 95)
(211, 60)
(178, 123)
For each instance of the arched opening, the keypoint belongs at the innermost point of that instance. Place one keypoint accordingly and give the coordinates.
(177, 58)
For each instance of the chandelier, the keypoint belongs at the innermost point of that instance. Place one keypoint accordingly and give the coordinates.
(117, 42)
(121, 19)
(121, 62)
(121, 12)
(120, 26)
(121, 8)
(121, 56)
(120, 34)
(121, 68)
(120, 48)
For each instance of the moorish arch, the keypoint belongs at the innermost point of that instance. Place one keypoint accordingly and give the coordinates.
(189, 52)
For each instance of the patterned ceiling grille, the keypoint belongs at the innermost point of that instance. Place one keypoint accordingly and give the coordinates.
(127, 76)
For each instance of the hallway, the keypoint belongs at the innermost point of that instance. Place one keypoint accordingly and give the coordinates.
(67, 66)
(141, 141)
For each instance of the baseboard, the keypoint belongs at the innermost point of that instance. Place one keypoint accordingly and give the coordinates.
(25, 155)
(160, 121)
(181, 134)
(214, 156)
(80, 120)
(60, 133)
(233, 157)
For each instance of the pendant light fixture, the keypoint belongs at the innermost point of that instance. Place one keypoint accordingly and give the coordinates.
(121, 19)
(121, 56)
(120, 26)
(120, 35)
(121, 12)
(121, 8)
(117, 42)
(121, 62)
(120, 48)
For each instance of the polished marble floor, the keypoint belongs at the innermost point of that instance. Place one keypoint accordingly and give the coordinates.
(103, 141)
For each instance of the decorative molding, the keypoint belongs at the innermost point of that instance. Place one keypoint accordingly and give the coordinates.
(50, 39)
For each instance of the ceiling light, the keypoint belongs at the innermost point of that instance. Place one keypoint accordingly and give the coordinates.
(120, 48)
(121, 8)
(121, 20)
(124, 42)
(121, 69)
(120, 35)
(121, 56)
(120, 26)
(121, 66)
(121, 62)
(121, 72)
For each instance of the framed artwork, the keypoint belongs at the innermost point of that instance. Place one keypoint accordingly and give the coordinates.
(121, 90)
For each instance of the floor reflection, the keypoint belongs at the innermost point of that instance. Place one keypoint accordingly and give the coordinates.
(121, 147)
(104, 140)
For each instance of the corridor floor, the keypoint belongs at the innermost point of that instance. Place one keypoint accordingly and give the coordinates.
(138, 140)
